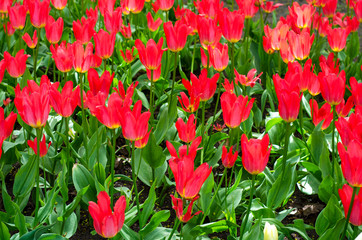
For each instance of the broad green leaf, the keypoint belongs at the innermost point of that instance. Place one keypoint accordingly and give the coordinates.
(153, 153)
(83, 178)
(4, 232)
(148, 206)
(25, 177)
(155, 221)
(209, 228)
(329, 216)
(325, 190)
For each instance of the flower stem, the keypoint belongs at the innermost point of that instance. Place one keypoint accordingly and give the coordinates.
(242, 228)
(36, 55)
(286, 144)
(233, 67)
(301, 131)
(134, 179)
(151, 98)
(349, 212)
(173, 79)
(84, 120)
(193, 55)
(112, 163)
(333, 135)
(38, 138)
(213, 197)
(175, 226)
(202, 130)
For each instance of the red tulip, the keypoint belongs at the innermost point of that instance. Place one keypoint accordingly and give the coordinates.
(64, 103)
(106, 6)
(9, 29)
(152, 24)
(337, 38)
(6, 125)
(177, 204)
(126, 96)
(269, 6)
(358, 10)
(110, 115)
(209, 31)
(142, 142)
(286, 52)
(248, 7)
(218, 127)
(209, 8)
(248, 80)
(104, 43)
(343, 109)
(164, 5)
(54, 30)
(330, 8)
(228, 158)
(17, 16)
(235, 109)
(43, 148)
(16, 66)
(203, 58)
(4, 6)
(2, 69)
(59, 4)
(156, 74)
(31, 42)
(179, 12)
(39, 12)
(346, 196)
(99, 84)
(329, 65)
(203, 86)
(33, 104)
(187, 105)
(126, 31)
(255, 153)
(190, 19)
(128, 55)
(219, 56)
(267, 45)
(84, 59)
(151, 55)
(350, 129)
(107, 223)
(6, 102)
(134, 124)
(323, 114)
(113, 20)
(176, 36)
(188, 181)
(300, 44)
(186, 131)
(63, 56)
(232, 24)
(228, 86)
(301, 15)
(134, 6)
(333, 87)
(351, 162)
(84, 29)
(356, 90)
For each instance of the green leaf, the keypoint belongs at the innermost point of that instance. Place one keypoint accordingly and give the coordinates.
(335, 232)
(51, 236)
(320, 151)
(81, 179)
(325, 190)
(25, 178)
(4, 232)
(162, 125)
(329, 216)
(209, 228)
(148, 206)
(37, 233)
(254, 232)
(153, 153)
(156, 219)
(272, 122)
(128, 233)
(71, 207)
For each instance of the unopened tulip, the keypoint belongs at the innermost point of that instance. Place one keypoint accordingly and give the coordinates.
(63, 56)
(152, 24)
(151, 54)
(186, 131)
(59, 4)
(351, 162)
(113, 20)
(54, 29)
(110, 115)
(208, 30)
(176, 36)
(235, 109)
(17, 16)
(300, 44)
(337, 38)
(333, 87)
(104, 44)
(219, 57)
(39, 12)
(84, 29)
(232, 24)
(270, 232)
(84, 59)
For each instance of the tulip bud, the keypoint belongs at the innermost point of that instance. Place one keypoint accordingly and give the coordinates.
(270, 232)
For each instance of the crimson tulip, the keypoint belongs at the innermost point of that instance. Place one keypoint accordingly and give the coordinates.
(330, 8)
(269, 6)
(187, 105)
(99, 84)
(337, 38)
(31, 42)
(164, 5)
(84, 59)
(219, 56)
(351, 128)
(228, 158)
(126, 96)
(248, 7)
(151, 55)
(2, 69)
(39, 12)
(343, 109)
(110, 115)
(209, 8)
(301, 15)
(128, 55)
(17, 16)
(228, 86)
(104, 43)
(105, 222)
(113, 20)
(333, 87)
(235, 109)
(255, 153)
(208, 30)
(186, 131)
(346, 196)
(176, 36)
(134, 6)
(249, 80)
(54, 29)
(300, 44)
(152, 24)
(5, 5)
(84, 29)
(321, 114)
(126, 31)
(358, 10)
(351, 162)
(6, 124)
(16, 66)
(232, 24)
(43, 148)
(63, 56)
(156, 74)
(106, 6)
(356, 89)
(177, 204)
(59, 4)
(64, 103)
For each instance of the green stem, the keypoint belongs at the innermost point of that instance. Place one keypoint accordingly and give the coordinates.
(349, 212)
(246, 40)
(38, 135)
(45, 179)
(217, 99)
(134, 179)
(242, 228)
(112, 163)
(175, 226)
(286, 144)
(333, 135)
(129, 74)
(202, 130)
(302, 133)
(151, 98)
(173, 79)
(193, 55)
(233, 67)
(36, 54)
(213, 197)
(84, 120)
(98, 144)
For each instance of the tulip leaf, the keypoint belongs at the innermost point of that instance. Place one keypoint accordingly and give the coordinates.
(4, 232)
(325, 190)
(83, 178)
(148, 206)
(153, 153)
(254, 231)
(36, 233)
(156, 219)
(25, 178)
(329, 216)
(335, 232)
(272, 122)
(51, 236)
(209, 228)
(162, 125)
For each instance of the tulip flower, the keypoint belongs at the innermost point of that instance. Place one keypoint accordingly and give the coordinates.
(343, 109)
(104, 44)
(190, 19)
(134, 6)
(31, 42)
(176, 36)
(9, 29)
(84, 30)
(269, 6)
(203, 86)
(126, 31)
(156, 74)
(219, 56)
(64, 103)
(186, 131)
(228, 86)
(300, 44)
(333, 87)
(301, 15)
(286, 52)
(330, 8)
(351, 162)
(337, 38)
(232, 24)
(187, 105)
(33, 106)
(54, 29)
(128, 55)
(105, 6)
(105, 222)
(247, 7)
(152, 24)
(179, 12)
(267, 45)
(203, 58)
(209, 8)
(270, 232)
(110, 115)
(235, 109)
(177, 204)
(218, 127)
(63, 56)
(99, 84)
(6, 124)
(126, 96)
(164, 5)
(346, 195)
(16, 66)
(113, 20)
(151, 55)
(255, 153)
(17, 16)
(350, 129)
(228, 158)
(84, 59)
(39, 12)
(323, 114)
(358, 10)
(208, 30)
(249, 80)
(2, 69)
(356, 90)
(134, 124)
(142, 142)
(5, 5)
(43, 148)
(59, 4)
